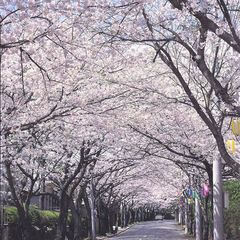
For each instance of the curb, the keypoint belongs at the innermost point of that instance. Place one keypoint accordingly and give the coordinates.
(120, 232)
(188, 236)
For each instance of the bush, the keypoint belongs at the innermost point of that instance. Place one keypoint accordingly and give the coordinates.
(48, 218)
(232, 214)
(34, 214)
(38, 217)
(12, 214)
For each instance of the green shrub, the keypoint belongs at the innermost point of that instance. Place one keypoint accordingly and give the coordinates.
(232, 214)
(37, 217)
(48, 218)
(12, 214)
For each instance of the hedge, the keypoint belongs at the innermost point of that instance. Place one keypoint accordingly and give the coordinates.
(232, 214)
(37, 217)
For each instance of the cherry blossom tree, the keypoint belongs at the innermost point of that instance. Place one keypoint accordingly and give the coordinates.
(183, 42)
(97, 96)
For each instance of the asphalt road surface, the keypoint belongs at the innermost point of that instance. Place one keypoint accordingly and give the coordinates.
(155, 230)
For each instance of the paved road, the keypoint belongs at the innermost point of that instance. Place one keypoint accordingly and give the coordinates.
(155, 230)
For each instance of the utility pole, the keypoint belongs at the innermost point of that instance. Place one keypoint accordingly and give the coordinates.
(93, 222)
(217, 199)
(186, 216)
(198, 219)
(1, 200)
(180, 215)
(198, 212)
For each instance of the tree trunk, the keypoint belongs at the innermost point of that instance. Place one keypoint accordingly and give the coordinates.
(110, 220)
(206, 220)
(106, 219)
(24, 224)
(103, 219)
(63, 216)
(76, 220)
(117, 221)
(88, 208)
